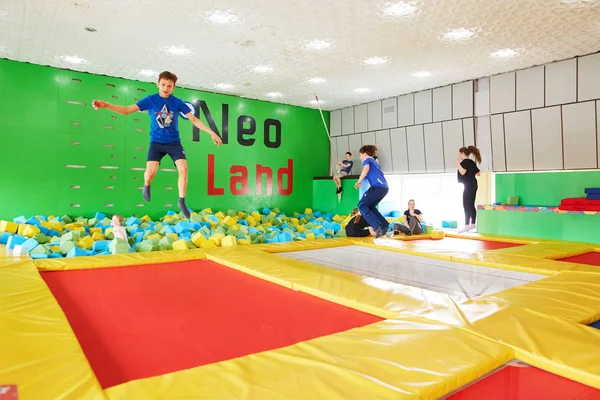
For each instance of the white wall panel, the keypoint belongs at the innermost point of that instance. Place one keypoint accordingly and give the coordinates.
(502, 93)
(368, 138)
(355, 143)
(452, 134)
(530, 88)
(442, 104)
(399, 149)
(580, 135)
(335, 120)
(498, 153)
(423, 107)
(517, 139)
(598, 128)
(484, 142)
(416, 148)
(561, 82)
(360, 118)
(546, 127)
(462, 100)
(468, 132)
(384, 150)
(589, 77)
(348, 121)
(390, 113)
(406, 110)
(374, 117)
(434, 147)
(342, 146)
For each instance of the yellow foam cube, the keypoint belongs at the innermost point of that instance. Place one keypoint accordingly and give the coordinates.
(273, 214)
(220, 215)
(251, 221)
(229, 221)
(174, 236)
(294, 221)
(308, 211)
(9, 227)
(181, 245)
(241, 215)
(86, 243)
(97, 235)
(244, 242)
(207, 210)
(300, 228)
(310, 236)
(30, 231)
(54, 249)
(438, 235)
(46, 224)
(216, 237)
(95, 230)
(199, 239)
(209, 244)
(321, 219)
(51, 217)
(260, 228)
(255, 215)
(336, 218)
(108, 231)
(155, 236)
(229, 241)
(145, 218)
(21, 229)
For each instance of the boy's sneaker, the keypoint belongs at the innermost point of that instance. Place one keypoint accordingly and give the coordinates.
(146, 193)
(183, 207)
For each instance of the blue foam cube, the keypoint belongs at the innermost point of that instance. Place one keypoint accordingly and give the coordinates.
(133, 221)
(4, 236)
(266, 211)
(55, 255)
(327, 225)
(100, 216)
(170, 213)
(243, 222)
(252, 230)
(317, 214)
(30, 244)
(336, 227)
(272, 240)
(43, 217)
(100, 245)
(38, 256)
(33, 221)
(285, 237)
(445, 224)
(76, 252)
(15, 240)
(44, 230)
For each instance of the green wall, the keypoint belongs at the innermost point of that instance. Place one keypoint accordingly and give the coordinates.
(545, 188)
(49, 123)
(325, 199)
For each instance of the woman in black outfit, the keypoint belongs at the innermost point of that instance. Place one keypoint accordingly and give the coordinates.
(357, 226)
(467, 175)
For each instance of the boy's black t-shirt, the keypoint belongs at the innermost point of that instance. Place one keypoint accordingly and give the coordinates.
(408, 216)
(354, 226)
(469, 178)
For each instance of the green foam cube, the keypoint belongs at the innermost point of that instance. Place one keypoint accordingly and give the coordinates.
(145, 247)
(41, 249)
(66, 247)
(118, 246)
(66, 219)
(92, 222)
(329, 232)
(41, 238)
(167, 241)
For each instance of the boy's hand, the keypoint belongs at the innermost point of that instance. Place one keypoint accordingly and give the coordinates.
(99, 104)
(357, 184)
(216, 139)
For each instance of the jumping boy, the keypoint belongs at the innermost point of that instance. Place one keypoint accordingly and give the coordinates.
(164, 109)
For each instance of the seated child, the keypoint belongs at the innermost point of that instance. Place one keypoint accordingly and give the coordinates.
(412, 221)
(118, 229)
(346, 168)
(357, 226)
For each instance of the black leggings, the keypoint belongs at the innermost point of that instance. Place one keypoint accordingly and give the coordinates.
(469, 203)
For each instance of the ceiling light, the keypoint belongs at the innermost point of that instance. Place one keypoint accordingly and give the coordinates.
(375, 60)
(421, 74)
(73, 59)
(177, 50)
(504, 53)
(221, 18)
(315, 102)
(318, 44)
(262, 68)
(273, 94)
(148, 72)
(317, 80)
(400, 9)
(362, 90)
(459, 34)
(224, 86)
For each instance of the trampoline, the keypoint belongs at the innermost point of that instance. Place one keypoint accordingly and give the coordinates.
(335, 319)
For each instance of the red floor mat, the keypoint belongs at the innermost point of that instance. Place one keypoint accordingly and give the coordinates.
(591, 258)
(137, 322)
(469, 245)
(525, 383)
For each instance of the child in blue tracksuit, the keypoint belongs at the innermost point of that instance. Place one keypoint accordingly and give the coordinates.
(373, 196)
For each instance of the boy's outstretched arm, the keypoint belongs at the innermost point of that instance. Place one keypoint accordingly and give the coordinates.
(202, 126)
(124, 110)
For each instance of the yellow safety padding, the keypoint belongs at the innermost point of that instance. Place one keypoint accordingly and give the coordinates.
(512, 262)
(40, 353)
(118, 260)
(405, 358)
(301, 245)
(571, 296)
(492, 238)
(552, 251)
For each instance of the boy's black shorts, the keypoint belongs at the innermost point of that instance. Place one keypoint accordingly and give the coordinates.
(157, 151)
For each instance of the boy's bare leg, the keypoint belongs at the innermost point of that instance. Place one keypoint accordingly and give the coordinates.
(182, 168)
(149, 174)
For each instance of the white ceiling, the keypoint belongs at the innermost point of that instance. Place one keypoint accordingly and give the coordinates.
(132, 35)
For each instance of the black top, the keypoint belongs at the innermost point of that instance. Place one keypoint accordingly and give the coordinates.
(354, 226)
(469, 178)
(408, 216)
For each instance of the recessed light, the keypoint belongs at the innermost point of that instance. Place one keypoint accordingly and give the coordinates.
(317, 80)
(224, 86)
(421, 74)
(222, 17)
(262, 68)
(315, 102)
(362, 90)
(504, 53)
(177, 50)
(148, 72)
(73, 59)
(400, 9)
(375, 60)
(318, 44)
(90, 29)
(460, 34)
(273, 94)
